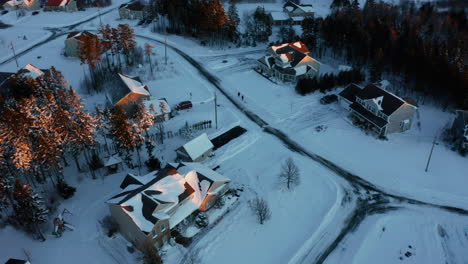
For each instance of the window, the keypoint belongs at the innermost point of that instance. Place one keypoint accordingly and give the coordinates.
(163, 227)
(154, 233)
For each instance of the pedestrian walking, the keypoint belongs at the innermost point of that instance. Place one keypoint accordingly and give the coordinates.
(242, 98)
(238, 94)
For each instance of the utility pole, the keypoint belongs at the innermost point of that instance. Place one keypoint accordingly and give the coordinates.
(14, 54)
(99, 12)
(216, 111)
(430, 154)
(165, 49)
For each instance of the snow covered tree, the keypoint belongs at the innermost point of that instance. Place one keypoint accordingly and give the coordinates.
(233, 14)
(289, 175)
(30, 210)
(106, 36)
(260, 209)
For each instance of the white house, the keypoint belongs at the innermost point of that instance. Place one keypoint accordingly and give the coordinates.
(195, 150)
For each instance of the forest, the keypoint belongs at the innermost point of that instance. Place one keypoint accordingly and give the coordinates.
(425, 48)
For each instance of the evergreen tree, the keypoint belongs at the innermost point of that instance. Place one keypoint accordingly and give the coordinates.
(233, 14)
(30, 210)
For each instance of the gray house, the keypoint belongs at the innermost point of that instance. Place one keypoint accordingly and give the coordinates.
(149, 206)
(377, 109)
(288, 62)
(133, 10)
(460, 128)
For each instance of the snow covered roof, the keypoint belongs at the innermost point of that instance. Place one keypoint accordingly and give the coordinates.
(279, 16)
(160, 106)
(177, 185)
(198, 146)
(79, 34)
(291, 6)
(112, 160)
(32, 71)
(134, 84)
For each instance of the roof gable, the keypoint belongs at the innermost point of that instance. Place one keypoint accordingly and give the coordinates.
(390, 102)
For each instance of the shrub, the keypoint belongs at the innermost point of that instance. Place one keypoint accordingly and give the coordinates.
(153, 163)
(65, 190)
(109, 225)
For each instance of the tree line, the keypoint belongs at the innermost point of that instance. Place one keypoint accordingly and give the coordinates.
(424, 47)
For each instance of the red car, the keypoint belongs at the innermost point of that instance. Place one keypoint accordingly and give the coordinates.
(184, 105)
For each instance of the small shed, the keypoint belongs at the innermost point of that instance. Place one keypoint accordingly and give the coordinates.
(112, 164)
(195, 150)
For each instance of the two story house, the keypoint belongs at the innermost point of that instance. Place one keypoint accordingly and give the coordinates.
(460, 128)
(288, 62)
(133, 10)
(149, 206)
(377, 109)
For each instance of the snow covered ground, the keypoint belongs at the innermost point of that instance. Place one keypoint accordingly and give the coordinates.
(406, 236)
(304, 219)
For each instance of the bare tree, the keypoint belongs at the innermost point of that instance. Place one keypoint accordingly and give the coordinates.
(290, 174)
(260, 208)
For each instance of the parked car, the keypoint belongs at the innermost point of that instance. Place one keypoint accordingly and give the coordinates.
(4, 12)
(328, 99)
(184, 105)
(35, 13)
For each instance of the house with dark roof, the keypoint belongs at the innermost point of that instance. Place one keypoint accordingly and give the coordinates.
(61, 5)
(298, 10)
(460, 128)
(133, 10)
(149, 207)
(377, 109)
(288, 62)
(73, 41)
(127, 91)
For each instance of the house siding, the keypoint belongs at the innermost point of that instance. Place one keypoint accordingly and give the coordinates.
(71, 47)
(126, 225)
(162, 236)
(71, 7)
(405, 112)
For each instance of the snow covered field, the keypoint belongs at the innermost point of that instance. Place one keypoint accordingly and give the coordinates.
(406, 236)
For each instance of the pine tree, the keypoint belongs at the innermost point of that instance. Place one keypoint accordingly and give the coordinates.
(106, 34)
(30, 210)
(233, 14)
(89, 52)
